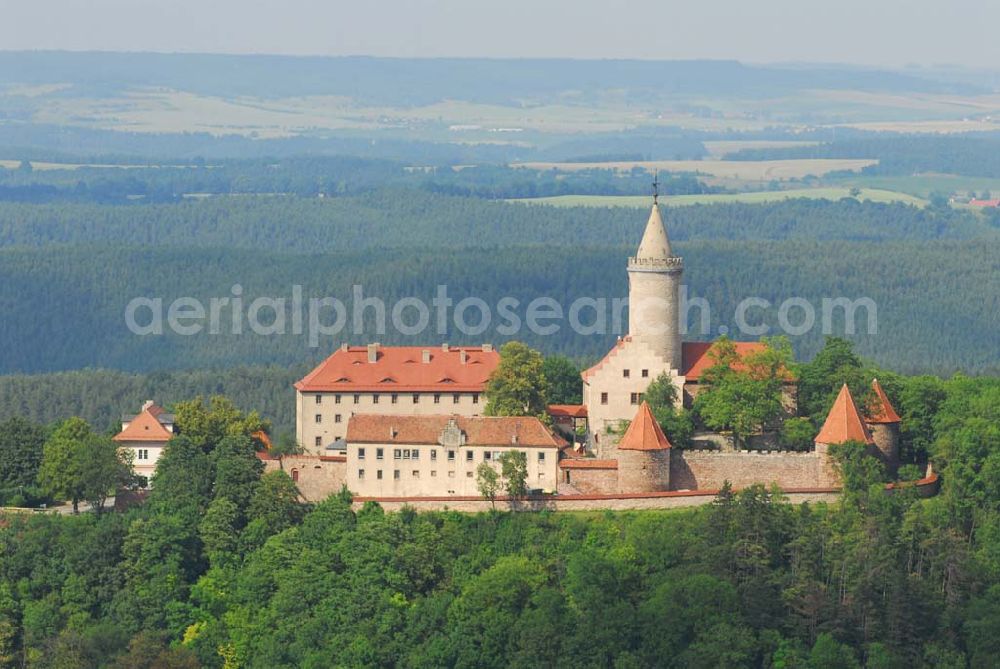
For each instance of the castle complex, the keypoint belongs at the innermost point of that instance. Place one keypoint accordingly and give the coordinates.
(406, 423)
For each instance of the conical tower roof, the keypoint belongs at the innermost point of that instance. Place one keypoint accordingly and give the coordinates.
(844, 422)
(644, 433)
(654, 245)
(882, 411)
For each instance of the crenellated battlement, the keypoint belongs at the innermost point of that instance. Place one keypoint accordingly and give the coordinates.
(671, 264)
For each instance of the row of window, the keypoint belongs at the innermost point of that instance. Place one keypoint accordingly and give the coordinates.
(414, 454)
(628, 373)
(142, 454)
(394, 398)
(634, 398)
(416, 474)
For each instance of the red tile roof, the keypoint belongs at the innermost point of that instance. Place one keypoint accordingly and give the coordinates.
(985, 203)
(402, 369)
(145, 427)
(526, 431)
(568, 410)
(844, 422)
(882, 411)
(588, 463)
(696, 356)
(644, 433)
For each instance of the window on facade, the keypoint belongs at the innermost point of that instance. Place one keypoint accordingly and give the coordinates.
(434, 473)
(416, 398)
(379, 453)
(318, 441)
(394, 398)
(437, 398)
(434, 455)
(397, 454)
(415, 454)
(415, 473)
(468, 475)
(337, 418)
(395, 474)
(361, 454)
(375, 398)
(636, 398)
(361, 473)
(645, 373)
(378, 474)
(468, 456)
(295, 474)
(475, 398)
(626, 373)
(336, 399)
(319, 418)
(451, 456)
(451, 474)
(487, 455)
(541, 475)
(357, 399)
(455, 398)
(319, 399)
(541, 456)
(604, 398)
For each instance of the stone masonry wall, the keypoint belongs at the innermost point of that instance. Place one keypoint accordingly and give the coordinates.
(317, 478)
(593, 481)
(707, 470)
(584, 502)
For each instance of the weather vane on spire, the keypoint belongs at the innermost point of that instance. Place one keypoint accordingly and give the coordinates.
(656, 186)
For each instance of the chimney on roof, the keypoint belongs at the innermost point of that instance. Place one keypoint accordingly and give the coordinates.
(372, 352)
(487, 348)
(147, 404)
(462, 356)
(513, 438)
(425, 356)
(392, 432)
(344, 346)
(444, 347)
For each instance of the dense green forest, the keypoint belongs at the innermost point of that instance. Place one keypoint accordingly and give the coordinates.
(316, 176)
(223, 568)
(69, 270)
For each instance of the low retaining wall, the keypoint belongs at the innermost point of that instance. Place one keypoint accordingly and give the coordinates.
(658, 500)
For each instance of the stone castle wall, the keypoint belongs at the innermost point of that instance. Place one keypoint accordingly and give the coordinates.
(707, 470)
(593, 481)
(317, 478)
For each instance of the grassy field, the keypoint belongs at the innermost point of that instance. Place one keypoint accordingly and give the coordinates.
(872, 194)
(743, 170)
(922, 185)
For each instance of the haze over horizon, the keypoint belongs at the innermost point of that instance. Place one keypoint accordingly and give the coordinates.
(890, 33)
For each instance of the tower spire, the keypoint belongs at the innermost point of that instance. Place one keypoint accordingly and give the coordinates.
(656, 186)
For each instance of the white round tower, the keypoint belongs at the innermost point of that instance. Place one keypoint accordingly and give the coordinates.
(654, 277)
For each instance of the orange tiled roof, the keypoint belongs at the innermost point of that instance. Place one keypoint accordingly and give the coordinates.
(525, 431)
(402, 369)
(882, 411)
(696, 357)
(587, 463)
(844, 422)
(644, 433)
(568, 410)
(145, 427)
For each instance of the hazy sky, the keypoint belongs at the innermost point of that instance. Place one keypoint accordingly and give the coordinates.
(877, 32)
